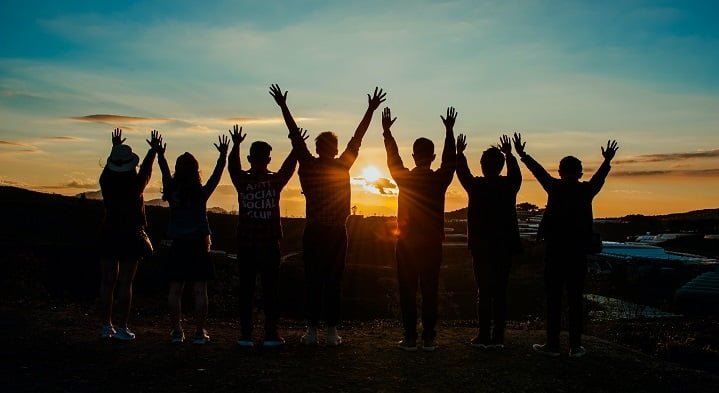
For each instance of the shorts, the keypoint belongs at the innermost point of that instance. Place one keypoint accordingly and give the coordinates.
(125, 244)
(190, 261)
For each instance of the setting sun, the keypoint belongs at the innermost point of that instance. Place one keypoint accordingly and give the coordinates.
(371, 174)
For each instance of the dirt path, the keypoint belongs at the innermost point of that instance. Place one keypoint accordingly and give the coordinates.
(57, 350)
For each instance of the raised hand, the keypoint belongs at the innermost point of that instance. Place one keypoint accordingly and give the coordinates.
(611, 150)
(518, 144)
(155, 142)
(117, 138)
(224, 143)
(461, 143)
(276, 93)
(505, 145)
(376, 99)
(303, 133)
(236, 134)
(387, 119)
(450, 119)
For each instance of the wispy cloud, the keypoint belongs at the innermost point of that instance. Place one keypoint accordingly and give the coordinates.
(117, 119)
(263, 120)
(660, 157)
(11, 143)
(381, 186)
(707, 172)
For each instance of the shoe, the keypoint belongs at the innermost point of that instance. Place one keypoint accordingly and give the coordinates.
(245, 342)
(124, 334)
(577, 353)
(309, 338)
(177, 336)
(201, 337)
(497, 346)
(545, 350)
(273, 341)
(429, 344)
(408, 344)
(333, 341)
(107, 331)
(477, 342)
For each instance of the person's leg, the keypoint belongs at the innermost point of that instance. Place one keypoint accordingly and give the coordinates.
(201, 301)
(334, 271)
(483, 279)
(269, 274)
(499, 294)
(311, 244)
(554, 282)
(128, 268)
(110, 272)
(576, 272)
(430, 260)
(174, 300)
(407, 276)
(247, 279)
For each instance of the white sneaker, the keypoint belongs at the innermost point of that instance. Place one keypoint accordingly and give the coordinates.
(107, 331)
(577, 353)
(124, 334)
(333, 341)
(309, 339)
(177, 336)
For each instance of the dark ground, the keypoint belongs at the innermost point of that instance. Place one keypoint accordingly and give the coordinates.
(56, 349)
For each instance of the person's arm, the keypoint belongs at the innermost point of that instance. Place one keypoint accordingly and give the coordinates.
(288, 166)
(463, 172)
(145, 171)
(234, 162)
(449, 153)
(394, 161)
(299, 145)
(541, 174)
(164, 168)
(513, 173)
(350, 154)
(597, 180)
(214, 180)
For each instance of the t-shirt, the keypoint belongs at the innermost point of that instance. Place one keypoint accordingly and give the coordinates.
(122, 195)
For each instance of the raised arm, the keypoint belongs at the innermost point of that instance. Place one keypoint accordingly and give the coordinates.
(449, 153)
(234, 163)
(160, 148)
(145, 171)
(298, 142)
(288, 166)
(222, 146)
(513, 173)
(541, 174)
(349, 156)
(463, 172)
(597, 180)
(394, 161)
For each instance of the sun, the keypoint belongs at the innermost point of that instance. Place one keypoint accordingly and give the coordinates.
(371, 174)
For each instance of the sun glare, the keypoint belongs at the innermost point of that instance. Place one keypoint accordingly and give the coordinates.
(371, 174)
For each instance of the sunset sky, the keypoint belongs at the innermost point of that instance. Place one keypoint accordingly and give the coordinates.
(567, 75)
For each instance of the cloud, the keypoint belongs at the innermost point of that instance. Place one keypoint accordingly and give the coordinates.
(115, 119)
(63, 138)
(11, 143)
(707, 172)
(72, 184)
(661, 157)
(262, 120)
(381, 186)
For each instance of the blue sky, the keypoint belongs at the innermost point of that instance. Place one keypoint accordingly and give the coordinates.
(569, 75)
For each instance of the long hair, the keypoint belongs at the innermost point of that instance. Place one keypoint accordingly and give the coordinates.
(186, 185)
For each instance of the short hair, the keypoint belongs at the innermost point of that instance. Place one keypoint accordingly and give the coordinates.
(570, 165)
(260, 149)
(326, 139)
(423, 147)
(492, 161)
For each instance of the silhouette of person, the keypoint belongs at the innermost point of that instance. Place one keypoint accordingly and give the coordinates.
(492, 233)
(325, 181)
(189, 259)
(420, 222)
(122, 236)
(566, 228)
(259, 231)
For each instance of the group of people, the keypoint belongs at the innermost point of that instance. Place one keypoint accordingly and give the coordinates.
(493, 233)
